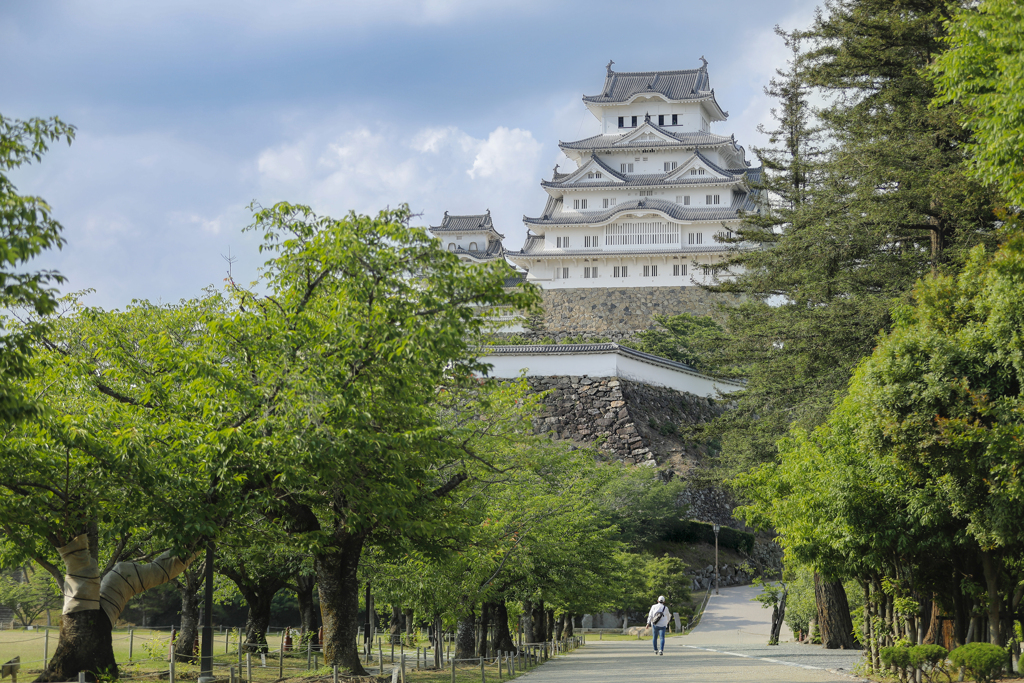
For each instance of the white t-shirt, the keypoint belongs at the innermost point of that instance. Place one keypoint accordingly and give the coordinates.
(658, 613)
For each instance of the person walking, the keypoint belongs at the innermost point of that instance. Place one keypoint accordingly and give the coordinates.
(657, 619)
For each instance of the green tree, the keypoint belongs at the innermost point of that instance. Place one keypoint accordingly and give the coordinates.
(29, 598)
(982, 71)
(27, 229)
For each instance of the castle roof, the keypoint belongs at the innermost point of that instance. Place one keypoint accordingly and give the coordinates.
(673, 178)
(467, 223)
(554, 214)
(674, 86)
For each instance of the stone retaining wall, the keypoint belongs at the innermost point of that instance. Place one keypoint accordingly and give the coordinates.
(626, 309)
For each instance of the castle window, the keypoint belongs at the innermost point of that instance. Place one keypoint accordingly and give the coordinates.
(650, 271)
(713, 199)
(641, 233)
(620, 271)
(695, 238)
(621, 122)
(675, 119)
(634, 122)
(670, 166)
(613, 200)
(645, 158)
(451, 246)
(472, 246)
(597, 175)
(686, 200)
(604, 203)
(590, 241)
(562, 242)
(590, 175)
(678, 270)
(579, 203)
(646, 193)
(590, 272)
(661, 119)
(626, 168)
(704, 125)
(724, 234)
(696, 171)
(565, 272)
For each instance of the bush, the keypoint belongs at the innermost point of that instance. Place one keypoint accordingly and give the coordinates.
(982, 661)
(896, 656)
(928, 656)
(681, 531)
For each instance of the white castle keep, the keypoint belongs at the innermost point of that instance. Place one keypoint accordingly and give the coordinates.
(649, 202)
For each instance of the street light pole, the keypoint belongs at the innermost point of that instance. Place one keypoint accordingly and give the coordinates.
(717, 527)
(206, 648)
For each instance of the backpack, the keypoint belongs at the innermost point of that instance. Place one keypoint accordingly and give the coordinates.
(657, 616)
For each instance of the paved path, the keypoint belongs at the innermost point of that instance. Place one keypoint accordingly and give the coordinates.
(727, 647)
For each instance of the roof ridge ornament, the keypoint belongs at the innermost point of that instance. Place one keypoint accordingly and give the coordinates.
(704, 62)
(647, 117)
(555, 171)
(609, 67)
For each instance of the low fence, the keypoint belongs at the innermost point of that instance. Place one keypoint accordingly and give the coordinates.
(148, 654)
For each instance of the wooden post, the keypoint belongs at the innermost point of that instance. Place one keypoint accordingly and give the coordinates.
(380, 656)
(239, 653)
(227, 640)
(81, 676)
(46, 647)
(403, 667)
(170, 672)
(453, 671)
(499, 665)
(335, 672)
(231, 675)
(309, 653)
(280, 663)
(483, 674)
(248, 667)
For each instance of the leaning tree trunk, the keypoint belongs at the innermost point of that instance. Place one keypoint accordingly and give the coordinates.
(465, 635)
(336, 569)
(304, 584)
(567, 624)
(834, 621)
(184, 646)
(502, 638)
(92, 605)
(778, 619)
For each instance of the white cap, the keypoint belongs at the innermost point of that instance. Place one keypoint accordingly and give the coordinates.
(661, 598)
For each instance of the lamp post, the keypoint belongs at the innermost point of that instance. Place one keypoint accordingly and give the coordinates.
(717, 527)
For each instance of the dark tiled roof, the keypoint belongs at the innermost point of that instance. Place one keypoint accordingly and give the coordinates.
(534, 250)
(650, 179)
(741, 202)
(514, 280)
(690, 139)
(494, 250)
(687, 84)
(468, 223)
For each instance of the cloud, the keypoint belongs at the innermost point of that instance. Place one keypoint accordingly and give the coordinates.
(508, 155)
(433, 169)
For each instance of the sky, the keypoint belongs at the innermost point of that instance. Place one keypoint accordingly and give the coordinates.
(187, 111)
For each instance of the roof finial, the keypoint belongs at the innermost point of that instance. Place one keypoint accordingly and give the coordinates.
(647, 117)
(610, 62)
(556, 169)
(488, 212)
(704, 64)
(445, 213)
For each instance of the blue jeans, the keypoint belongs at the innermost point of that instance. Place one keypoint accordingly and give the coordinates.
(661, 630)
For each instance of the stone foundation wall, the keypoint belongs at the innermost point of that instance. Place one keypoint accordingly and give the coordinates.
(626, 309)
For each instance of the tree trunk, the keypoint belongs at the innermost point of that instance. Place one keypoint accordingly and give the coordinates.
(308, 622)
(465, 635)
(408, 622)
(502, 637)
(990, 567)
(395, 627)
(528, 631)
(184, 647)
(549, 625)
(339, 601)
(84, 645)
(559, 627)
(540, 623)
(567, 624)
(834, 619)
(485, 623)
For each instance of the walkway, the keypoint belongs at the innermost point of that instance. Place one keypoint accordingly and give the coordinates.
(727, 647)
